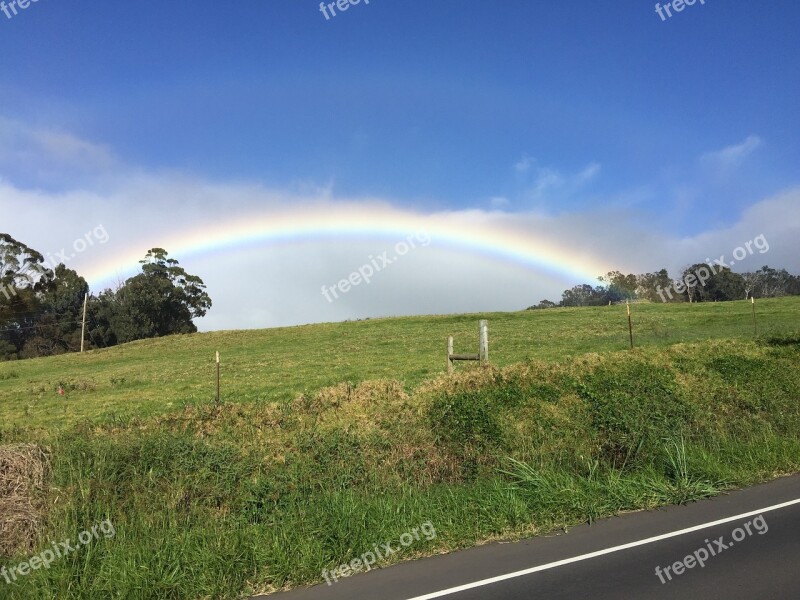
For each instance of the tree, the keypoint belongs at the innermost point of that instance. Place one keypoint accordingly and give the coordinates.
(699, 282)
(22, 276)
(724, 285)
(543, 304)
(771, 283)
(793, 287)
(20, 266)
(57, 327)
(703, 283)
(751, 282)
(619, 286)
(656, 287)
(584, 295)
(162, 300)
(101, 316)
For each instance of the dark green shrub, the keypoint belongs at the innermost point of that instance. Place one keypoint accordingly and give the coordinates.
(636, 408)
(465, 419)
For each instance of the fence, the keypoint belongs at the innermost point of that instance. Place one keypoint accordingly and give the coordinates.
(483, 348)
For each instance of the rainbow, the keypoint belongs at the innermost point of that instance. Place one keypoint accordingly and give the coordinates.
(480, 233)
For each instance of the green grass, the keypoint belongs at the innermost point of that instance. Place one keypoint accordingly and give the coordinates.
(290, 477)
(156, 376)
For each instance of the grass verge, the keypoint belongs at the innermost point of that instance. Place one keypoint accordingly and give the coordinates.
(220, 502)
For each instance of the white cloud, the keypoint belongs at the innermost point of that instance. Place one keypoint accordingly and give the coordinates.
(41, 156)
(67, 149)
(732, 156)
(547, 183)
(279, 283)
(546, 180)
(524, 164)
(589, 173)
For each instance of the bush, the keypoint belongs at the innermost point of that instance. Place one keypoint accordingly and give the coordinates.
(636, 409)
(465, 425)
(465, 419)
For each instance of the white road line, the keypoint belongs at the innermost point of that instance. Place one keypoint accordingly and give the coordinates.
(566, 561)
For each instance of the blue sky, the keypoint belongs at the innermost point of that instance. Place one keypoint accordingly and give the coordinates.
(586, 111)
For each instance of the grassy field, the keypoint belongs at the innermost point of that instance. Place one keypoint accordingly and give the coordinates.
(156, 376)
(335, 438)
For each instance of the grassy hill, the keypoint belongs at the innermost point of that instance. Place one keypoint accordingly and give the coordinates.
(156, 376)
(335, 438)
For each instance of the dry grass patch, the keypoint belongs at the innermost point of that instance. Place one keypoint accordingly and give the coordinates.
(24, 470)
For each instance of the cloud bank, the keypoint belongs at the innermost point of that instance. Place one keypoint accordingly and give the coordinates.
(279, 280)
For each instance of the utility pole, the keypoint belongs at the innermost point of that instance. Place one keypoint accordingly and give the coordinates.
(83, 324)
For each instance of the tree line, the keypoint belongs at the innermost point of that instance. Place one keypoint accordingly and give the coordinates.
(41, 309)
(698, 283)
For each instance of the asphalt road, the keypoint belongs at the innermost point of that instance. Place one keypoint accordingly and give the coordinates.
(747, 541)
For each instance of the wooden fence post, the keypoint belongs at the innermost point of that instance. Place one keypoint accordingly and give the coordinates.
(484, 342)
(217, 376)
(450, 354)
(83, 323)
(630, 325)
(483, 348)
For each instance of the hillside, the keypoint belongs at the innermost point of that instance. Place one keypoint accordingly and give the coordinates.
(157, 376)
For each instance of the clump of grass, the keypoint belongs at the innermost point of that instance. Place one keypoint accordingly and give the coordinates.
(681, 484)
(592, 489)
